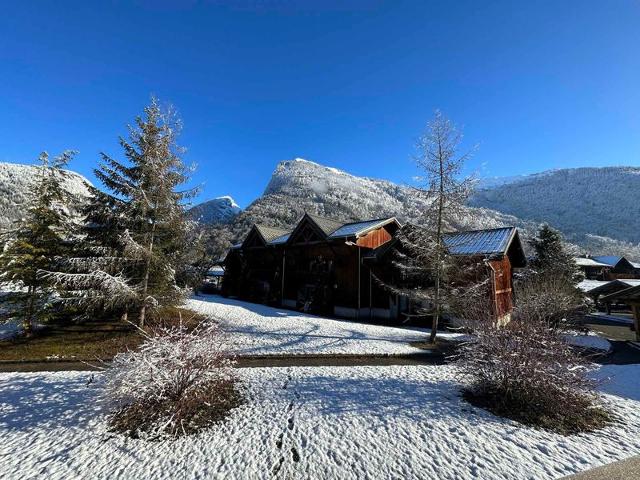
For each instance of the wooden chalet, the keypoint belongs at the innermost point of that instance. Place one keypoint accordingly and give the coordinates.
(325, 266)
(607, 267)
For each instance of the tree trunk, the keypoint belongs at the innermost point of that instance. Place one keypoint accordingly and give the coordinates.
(145, 281)
(27, 321)
(436, 313)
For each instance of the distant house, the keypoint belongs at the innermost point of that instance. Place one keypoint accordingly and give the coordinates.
(630, 296)
(607, 267)
(327, 266)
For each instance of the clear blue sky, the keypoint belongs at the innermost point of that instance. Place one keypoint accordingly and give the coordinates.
(538, 84)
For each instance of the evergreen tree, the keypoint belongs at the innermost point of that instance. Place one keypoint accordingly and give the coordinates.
(136, 231)
(551, 256)
(38, 243)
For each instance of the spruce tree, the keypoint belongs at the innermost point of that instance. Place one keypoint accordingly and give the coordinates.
(551, 255)
(135, 231)
(38, 243)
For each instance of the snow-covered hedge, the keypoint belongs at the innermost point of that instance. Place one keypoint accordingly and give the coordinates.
(175, 383)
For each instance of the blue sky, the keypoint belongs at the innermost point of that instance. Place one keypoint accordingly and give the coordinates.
(537, 85)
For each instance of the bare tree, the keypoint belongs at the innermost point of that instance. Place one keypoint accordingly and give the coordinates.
(441, 165)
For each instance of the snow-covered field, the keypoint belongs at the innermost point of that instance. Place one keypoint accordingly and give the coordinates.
(311, 422)
(260, 330)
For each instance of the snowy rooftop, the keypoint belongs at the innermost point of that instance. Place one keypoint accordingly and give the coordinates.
(589, 285)
(357, 228)
(589, 262)
(480, 242)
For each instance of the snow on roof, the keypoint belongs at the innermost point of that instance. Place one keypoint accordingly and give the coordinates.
(215, 271)
(479, 242)
(589, 285)
(589, 262)
(358, 228)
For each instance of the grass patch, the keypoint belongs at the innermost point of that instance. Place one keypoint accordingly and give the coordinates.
(582, 414)
(89, 341)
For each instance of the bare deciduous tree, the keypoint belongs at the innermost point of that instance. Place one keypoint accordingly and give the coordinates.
(441, 164)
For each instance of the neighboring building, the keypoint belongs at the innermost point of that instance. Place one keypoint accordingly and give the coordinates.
(327, 267)
(607, 267)
(631, 297)
(213, 277)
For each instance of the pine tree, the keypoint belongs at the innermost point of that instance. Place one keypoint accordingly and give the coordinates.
(551, 256)
(135, 232)
(38, 243)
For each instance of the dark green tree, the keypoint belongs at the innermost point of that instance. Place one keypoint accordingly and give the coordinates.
(136, 230)
(38, 243)
(552, 257)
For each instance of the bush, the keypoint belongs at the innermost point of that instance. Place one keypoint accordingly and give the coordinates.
(176, 383)
(525, 371)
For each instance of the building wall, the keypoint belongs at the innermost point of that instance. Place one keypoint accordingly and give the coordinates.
(502, 286)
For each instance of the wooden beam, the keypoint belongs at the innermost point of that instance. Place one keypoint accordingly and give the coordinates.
(635, 308)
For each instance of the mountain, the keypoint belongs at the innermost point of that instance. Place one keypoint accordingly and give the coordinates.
(298, 186)
(16, 181)
(580, 203)
(219, 210)
(594, 207)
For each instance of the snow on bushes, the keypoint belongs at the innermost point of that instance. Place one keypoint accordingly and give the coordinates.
(525, 370)
(177, 382)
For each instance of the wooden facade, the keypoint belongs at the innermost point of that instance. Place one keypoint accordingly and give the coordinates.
(324, 267)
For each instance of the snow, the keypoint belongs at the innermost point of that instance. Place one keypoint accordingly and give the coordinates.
(9, 329)
(590, 340)
(588, 285)
(260, 330)
(16, 181)
(338, 423)
(219, 210)
(612, 318)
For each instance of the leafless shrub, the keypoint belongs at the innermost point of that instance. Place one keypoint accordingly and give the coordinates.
(524, 370)
(177, 382)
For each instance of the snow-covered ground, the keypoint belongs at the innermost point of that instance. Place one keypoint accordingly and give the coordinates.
(260, 330)
(312, 422)
(590, 340)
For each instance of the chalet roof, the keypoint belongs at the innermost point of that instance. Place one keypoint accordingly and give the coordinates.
(270, 233)
(589, 262)
(327, 225)
(492, 242)
(480, 242)
(360, 228)
(587, 286)
(628, 294)
(608, 287)
(609, 260)
(280, 239)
